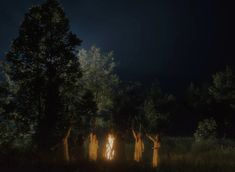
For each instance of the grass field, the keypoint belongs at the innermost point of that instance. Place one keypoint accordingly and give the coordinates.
(176, 155)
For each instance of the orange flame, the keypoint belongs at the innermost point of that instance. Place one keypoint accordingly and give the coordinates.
(109, 151)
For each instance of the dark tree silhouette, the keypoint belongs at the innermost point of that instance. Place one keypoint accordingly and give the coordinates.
(158, 109)
(42, 63)
(128, 102)
(222, 92)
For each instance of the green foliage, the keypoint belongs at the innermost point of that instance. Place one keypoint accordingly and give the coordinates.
(99, 78)
(223, 86)
(206, 130)
(46, 72)
(197, 97)
(128, 102)
(9, 120)
(157, 108)
(222, 92)
(217, 98)
(98, 75)
(88, 110)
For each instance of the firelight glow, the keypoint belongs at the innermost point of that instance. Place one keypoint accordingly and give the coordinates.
(109, 151)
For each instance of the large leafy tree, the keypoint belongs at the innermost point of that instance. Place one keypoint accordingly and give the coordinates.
(42, 63)
(99, 77)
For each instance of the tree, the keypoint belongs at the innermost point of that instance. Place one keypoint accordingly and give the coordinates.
(223, 86)
(197, 104)
(126, 114)
(43, 65)
(8, 128)
(158, 108)
(222, 92)
(88, 110)
(197, 96)
(99, 77)
(128, 103)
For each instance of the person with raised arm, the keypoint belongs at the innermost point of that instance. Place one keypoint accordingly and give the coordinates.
(156, 146)
(139, 146)
(93, 147)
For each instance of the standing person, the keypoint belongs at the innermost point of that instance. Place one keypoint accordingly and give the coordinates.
(139, 146)
(93, 147)
(156, 146)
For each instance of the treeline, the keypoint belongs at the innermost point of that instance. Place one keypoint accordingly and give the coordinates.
(52, 92)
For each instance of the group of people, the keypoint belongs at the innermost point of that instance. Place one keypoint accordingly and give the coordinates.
(138, 151)
(139, 147)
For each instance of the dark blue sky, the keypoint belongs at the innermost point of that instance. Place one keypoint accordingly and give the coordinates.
(176, 41)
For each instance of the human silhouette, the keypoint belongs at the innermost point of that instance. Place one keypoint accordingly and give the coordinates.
(93, 147)
(139, 146)
(156, 146)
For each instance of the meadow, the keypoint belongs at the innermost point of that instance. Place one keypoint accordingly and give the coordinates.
(178, 154)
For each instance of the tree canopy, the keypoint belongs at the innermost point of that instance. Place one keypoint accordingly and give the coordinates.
(43, 65)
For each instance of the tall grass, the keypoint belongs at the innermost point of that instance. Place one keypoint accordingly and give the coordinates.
(176, 155)
(183, 154)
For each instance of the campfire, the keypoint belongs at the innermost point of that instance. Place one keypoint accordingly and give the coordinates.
(109, 147)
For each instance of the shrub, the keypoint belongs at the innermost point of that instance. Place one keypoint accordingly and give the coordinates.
(206, 130)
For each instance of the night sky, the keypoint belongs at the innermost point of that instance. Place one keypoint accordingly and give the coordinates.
(176, 41)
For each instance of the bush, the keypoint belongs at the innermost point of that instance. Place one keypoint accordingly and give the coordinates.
(206, 130)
